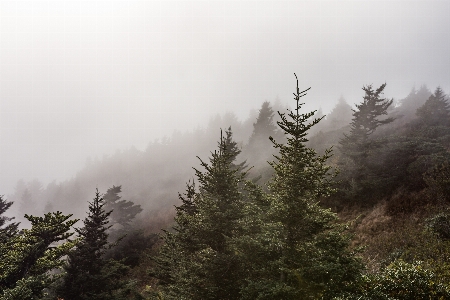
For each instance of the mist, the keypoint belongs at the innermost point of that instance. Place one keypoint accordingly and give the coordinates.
(83, 80)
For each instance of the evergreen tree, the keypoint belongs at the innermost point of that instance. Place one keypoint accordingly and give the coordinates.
(6, 230)
(232, 148)
(197, 260)
(357, 146)
(123, 212)
(259, 149)
(133, 241)
(28, 256)
(436, 110)
(340, 116)
(408, 106)
(366, 119)
(264, 126)
(302, 254)
(88, 274)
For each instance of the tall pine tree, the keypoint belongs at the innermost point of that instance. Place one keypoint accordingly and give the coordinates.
(197, 260)
(303, 254)
(88, 274)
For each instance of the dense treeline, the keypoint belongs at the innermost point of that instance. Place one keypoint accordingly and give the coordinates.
(352, 205)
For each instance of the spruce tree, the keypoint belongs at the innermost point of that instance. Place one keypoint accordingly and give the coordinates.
(358, 161)
(123, 212)
(366, 119)
(259, 149)
(27, 257)
(7, 229)
(88, 274)
(303, 254)
(436, 110)
(197, 260)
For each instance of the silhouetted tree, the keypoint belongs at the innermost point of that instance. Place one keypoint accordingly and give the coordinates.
(123, 212)
(88, 274)
(259, 149)
(436, 110)
(340, 116)
(357, 145)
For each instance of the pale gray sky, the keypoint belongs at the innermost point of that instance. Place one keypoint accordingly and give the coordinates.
(83, 78)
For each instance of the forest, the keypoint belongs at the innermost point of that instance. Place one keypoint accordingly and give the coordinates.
(289, 204)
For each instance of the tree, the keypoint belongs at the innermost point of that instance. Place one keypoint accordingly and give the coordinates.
(259, 149)
(27, 257)
(197, 260)
(123, 212)
(303, 254)
(88, 274)
(366, 119)
(6, 230)
(408, 106)
(357, 147)
(264, 126)
(340, 115)
(436, 110)
(133, 241)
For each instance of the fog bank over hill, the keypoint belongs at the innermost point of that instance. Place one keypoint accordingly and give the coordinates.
(85, 78)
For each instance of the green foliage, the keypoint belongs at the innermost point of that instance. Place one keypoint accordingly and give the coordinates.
(88, 274)
(197, 260)
(6, 230)
(440, 225)
(28, 257)
(402, 281)
(299, 250)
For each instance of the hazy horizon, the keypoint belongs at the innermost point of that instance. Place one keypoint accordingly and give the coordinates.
(81, 79)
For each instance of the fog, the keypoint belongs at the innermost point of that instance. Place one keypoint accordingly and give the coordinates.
(82, 79)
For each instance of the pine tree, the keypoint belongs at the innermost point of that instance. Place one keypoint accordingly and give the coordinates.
(264, 126)
(6, 230)
(123, 212)
(357, 146)
(88, 274)
(28, 256)
(303, 255)
(197, 260)
(259, 149)
(436, 110)
(366, 119)
(340, 115)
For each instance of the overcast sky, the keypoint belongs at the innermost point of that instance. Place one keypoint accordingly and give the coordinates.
(83, 78)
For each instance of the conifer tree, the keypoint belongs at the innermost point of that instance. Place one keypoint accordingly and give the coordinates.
(366, 119)
(264, 126)
(27, 257)
(197, 260)
(303, 253)
(88, 274)
(436, 110)
(357, 147)
(7, 229)
(259, 149)
(122, 211)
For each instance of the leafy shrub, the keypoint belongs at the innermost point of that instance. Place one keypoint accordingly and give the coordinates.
(401, 281)
(440, 225)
